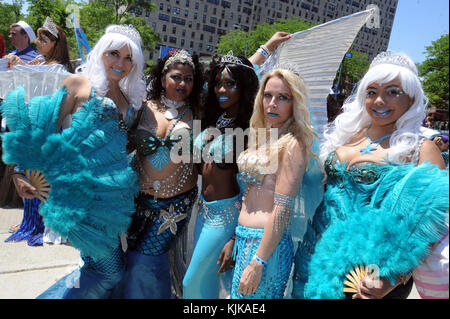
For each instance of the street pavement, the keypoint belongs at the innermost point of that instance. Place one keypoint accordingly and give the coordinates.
(26, 272)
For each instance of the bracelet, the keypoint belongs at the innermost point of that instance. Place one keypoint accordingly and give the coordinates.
(265, 49)
(263, 53)
(259, 260)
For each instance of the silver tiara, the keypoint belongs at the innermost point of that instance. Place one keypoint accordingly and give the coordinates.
(232, 59)
(290, 67)
(127, 30)
(50, 26)
(181, 56)
(390, 57)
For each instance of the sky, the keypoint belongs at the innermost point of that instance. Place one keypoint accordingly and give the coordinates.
(417, 24)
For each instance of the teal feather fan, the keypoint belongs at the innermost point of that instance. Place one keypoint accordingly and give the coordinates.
(92, 183)
(394, 231)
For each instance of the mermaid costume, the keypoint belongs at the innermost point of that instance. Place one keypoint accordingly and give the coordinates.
(215, 225)
(157, 222)
(32, 227)
(92, 182)
(386, 215)
(275, 281)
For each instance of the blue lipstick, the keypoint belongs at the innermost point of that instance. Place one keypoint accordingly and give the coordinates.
(272, 114)
(223, 98)
(117, 70)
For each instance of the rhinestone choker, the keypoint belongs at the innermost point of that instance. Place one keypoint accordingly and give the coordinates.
(171, 112)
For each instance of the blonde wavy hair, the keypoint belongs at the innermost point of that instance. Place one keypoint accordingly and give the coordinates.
(298, 128)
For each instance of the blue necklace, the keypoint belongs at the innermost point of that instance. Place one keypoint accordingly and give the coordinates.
(369, 148)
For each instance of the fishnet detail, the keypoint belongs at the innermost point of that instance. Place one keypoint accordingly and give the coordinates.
(107, 265)
(150, 243)
(275, 274)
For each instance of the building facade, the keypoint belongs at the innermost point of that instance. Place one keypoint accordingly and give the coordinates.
(197, 25)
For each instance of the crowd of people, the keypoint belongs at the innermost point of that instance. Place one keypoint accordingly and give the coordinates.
(139, 168)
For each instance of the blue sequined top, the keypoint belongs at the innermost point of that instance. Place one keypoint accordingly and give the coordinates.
(360, 196)
(218, 148)
(362, 172)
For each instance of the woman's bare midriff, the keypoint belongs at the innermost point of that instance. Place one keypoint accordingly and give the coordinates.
(258, 204)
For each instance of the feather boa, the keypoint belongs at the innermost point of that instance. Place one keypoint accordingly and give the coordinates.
(394, 230)
(92, 183)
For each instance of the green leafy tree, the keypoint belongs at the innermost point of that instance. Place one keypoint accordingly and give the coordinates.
(356, 67)
(435, 72)
(246, 43)
(97, 15)
(351, 71)
(124, 8)
(39, 10)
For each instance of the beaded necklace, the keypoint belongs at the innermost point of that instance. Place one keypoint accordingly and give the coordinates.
(169, 186)
(223, 121)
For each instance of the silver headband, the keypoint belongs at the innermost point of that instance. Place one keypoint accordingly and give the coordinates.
(229, 58)
(180, 56)
(390, 57)
(50, 26)
(127, 30)
(290, 67)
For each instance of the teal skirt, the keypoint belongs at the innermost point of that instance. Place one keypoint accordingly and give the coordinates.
(275, 274)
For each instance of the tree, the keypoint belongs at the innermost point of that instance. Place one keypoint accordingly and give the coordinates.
(356, 67)
(39, 10)
(123, 8)
(97, 15)
(435, 72)
(246, 43)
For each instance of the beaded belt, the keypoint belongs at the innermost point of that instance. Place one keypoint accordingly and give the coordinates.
(164, 217)
(169, 186)
(220, 217)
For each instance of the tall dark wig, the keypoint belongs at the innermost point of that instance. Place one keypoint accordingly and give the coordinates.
(154, 86)
(248, 85)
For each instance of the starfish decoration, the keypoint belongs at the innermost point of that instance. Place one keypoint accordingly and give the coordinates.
(368, 149)
(170, 220)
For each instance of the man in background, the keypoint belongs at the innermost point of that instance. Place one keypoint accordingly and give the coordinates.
(21, 35)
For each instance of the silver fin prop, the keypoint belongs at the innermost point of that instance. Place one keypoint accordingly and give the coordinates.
(318, 53)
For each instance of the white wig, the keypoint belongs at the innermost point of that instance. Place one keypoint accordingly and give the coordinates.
(133, 85)
(354, 118)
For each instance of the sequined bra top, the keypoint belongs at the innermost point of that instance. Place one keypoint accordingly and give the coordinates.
(130, 119)
(254, 175)
(220, 148)
(362, 172)
(148, 143)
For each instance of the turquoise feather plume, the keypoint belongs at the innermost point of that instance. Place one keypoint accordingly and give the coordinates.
(394, 229)
(92, 183)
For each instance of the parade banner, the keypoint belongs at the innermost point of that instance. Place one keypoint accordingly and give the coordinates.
(164, 50)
